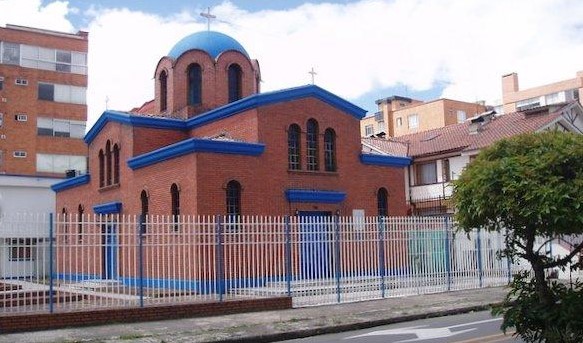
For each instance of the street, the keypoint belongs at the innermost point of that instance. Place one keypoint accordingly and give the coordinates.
(464, 328)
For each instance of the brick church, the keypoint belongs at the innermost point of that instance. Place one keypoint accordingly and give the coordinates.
(210, 143)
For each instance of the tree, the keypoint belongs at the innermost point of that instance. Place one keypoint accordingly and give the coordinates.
(531, 188)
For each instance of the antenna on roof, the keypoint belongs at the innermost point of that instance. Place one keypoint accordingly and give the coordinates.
(208, 17)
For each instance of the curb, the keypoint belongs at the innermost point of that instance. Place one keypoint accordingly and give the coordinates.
(353, 326)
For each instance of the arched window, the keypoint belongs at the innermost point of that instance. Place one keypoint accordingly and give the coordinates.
(145, 209)
(383, 202)
(194, 84)
(235, 82)
(80, 210)
(175, 195)
(233, 198)
(101, 168)
(163, 90)
(330, 150)
(312, 144)
(108, 163)
(293, 147)
(115, 164)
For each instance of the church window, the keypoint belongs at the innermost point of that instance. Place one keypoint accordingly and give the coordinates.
(330, 150)
(194, 84)
(383, 202)
(235, 82)
(163, 90)
(115, 164)
(101, 169)
(293, 143)
(108, 163)
(175, 195)
(233, 198)
(144, 202)
(312, 144)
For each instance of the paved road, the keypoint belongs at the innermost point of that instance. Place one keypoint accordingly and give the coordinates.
(477, 327)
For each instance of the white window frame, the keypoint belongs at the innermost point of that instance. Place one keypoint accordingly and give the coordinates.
(20, 82)
(369, 130)
(413, 121)
(21, 117)
(461, 116)
(19, 154)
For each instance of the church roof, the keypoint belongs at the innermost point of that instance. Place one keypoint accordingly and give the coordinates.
(214, 43)
(234, 108)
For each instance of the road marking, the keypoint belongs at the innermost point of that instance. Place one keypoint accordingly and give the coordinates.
(424, 333)
(499, 337)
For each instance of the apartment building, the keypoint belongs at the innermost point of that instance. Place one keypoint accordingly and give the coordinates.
(43, 111)
(398, 116)
(515, 99)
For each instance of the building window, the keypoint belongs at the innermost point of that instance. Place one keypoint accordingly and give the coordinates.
(108, 170)
(62, 93)
(21, 82)
(115, 164)
(383, 202)
(194, 84)
(1, 119)
(446, 170)
(369, 130)
(21, 117)
(426, 173)
(175, 195)
(413, 121)
(163, 90)
(19, 154)
(21, 250)
(235, 82)
(145, 210)
(293, 147)
(1, 83)
(461, 116)
(60, 127)
(312, 144)
(52, 163)
(10, 53)
(330, 150)
(101, 169)
(233, 198)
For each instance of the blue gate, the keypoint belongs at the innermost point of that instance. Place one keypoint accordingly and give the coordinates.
(317, 240)
(109, 251)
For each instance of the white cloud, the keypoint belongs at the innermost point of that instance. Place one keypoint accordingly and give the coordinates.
(355, 48)
(31, 13)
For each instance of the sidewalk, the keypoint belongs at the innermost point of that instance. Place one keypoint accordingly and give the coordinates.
(275, 326)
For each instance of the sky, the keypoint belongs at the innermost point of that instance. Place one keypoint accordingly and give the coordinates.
(362, 50)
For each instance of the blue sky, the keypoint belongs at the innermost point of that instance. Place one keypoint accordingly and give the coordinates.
(362, 50)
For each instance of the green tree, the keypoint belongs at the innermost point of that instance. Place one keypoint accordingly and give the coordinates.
(531, 186)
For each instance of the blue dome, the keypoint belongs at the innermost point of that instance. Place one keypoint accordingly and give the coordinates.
(214, 43)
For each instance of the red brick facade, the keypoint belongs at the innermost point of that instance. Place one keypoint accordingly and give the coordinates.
(202, 177)
(23, 99)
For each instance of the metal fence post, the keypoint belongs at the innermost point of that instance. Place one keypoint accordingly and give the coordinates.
(51, 264)
(447, 253)
(219, 258)
(382, 266)
(141, 229)
(288, 262)
(337, 254)
(509, 262)
(479, 252)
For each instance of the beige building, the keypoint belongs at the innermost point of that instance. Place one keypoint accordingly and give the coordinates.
(514, 99)
(398, 116)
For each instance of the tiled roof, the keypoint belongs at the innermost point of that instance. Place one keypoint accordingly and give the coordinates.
(387, 146)
(457, 137)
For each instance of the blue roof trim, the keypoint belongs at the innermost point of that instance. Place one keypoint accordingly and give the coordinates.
(385, 160)
(71, 183)
(310, 195)
(269, 98)
(195, 145)
(134, 120)
(108, 208)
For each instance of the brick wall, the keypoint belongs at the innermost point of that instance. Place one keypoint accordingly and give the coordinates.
(16, 323)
